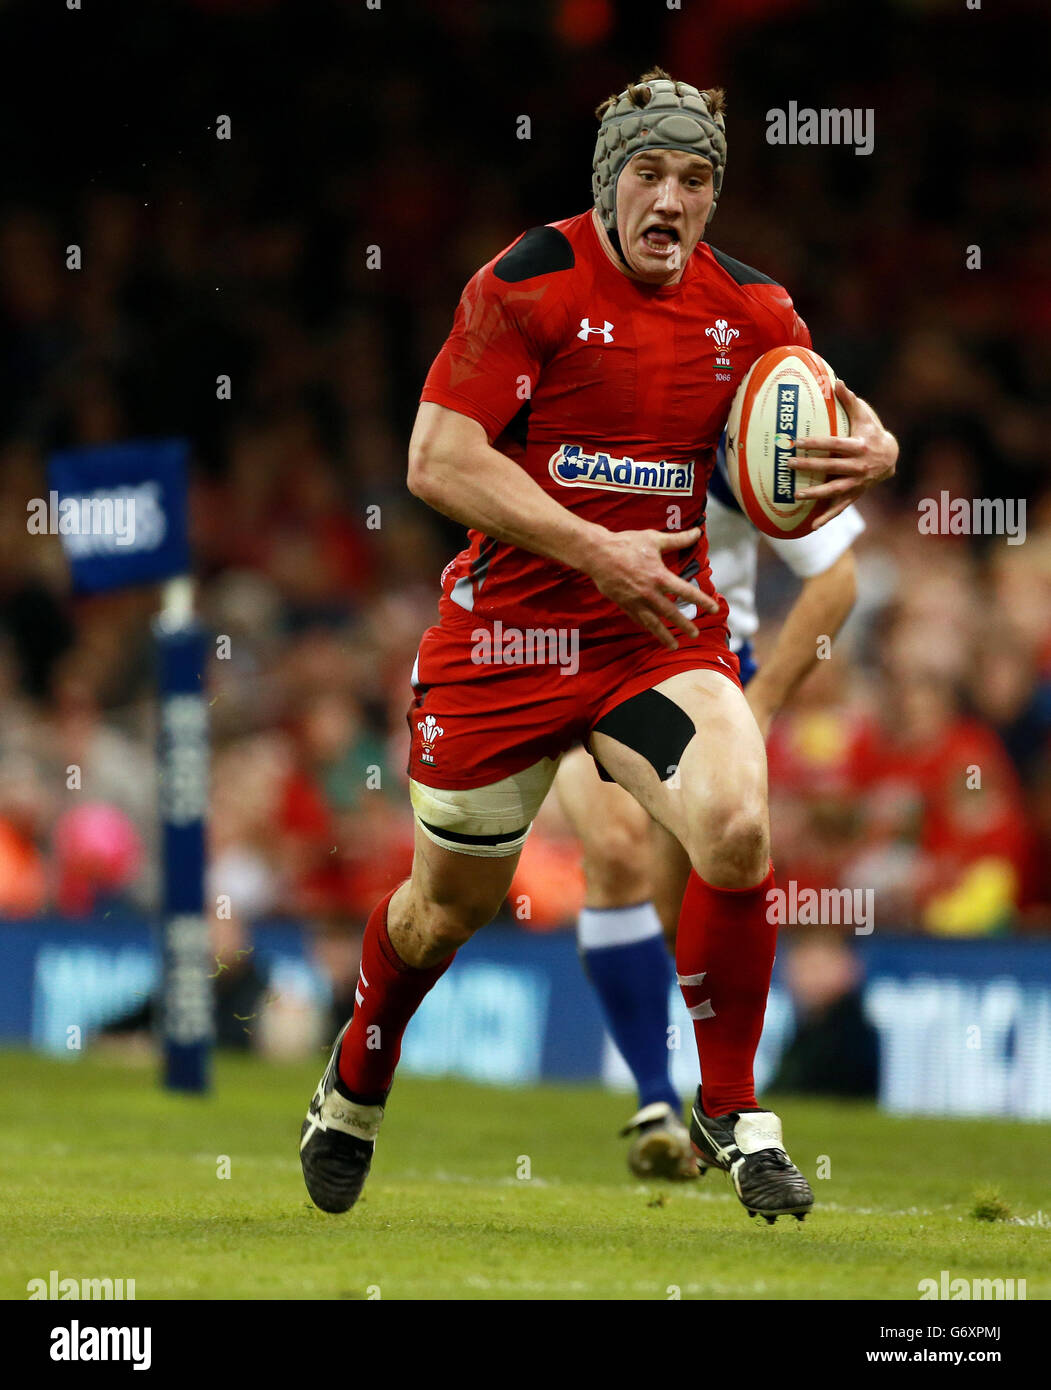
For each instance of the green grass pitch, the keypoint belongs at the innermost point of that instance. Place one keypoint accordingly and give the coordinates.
(104, 1175)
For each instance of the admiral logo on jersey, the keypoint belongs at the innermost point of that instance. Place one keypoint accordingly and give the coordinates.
(571, 467)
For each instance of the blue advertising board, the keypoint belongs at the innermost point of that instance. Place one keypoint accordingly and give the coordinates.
(964, 1026)
(120, 511)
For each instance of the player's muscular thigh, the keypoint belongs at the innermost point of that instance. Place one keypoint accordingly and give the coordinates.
(716, 805)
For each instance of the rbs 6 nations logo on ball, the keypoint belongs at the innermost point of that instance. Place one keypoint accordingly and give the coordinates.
(788, 394)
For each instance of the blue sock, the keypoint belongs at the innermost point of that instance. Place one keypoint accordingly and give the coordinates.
(627, 962)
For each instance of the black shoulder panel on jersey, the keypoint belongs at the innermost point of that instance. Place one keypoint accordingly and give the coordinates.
(743, 274)
(518, 428)
(540, 251)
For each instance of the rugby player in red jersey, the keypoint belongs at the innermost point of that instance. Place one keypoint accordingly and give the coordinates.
(571, 422)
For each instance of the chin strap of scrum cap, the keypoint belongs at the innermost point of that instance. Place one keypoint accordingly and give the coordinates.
(676, 117)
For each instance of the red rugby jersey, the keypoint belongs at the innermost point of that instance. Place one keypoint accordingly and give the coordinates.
(611, 394)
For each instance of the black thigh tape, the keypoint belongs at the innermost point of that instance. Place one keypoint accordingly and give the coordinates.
(653, 726)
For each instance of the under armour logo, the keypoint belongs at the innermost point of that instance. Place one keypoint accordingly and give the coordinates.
(606, 330)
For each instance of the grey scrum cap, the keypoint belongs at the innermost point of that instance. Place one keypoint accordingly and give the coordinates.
(676, 117)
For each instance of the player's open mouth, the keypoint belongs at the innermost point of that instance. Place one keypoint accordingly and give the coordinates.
(660, 240)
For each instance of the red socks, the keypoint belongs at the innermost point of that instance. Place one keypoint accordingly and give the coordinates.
(388, 994)
(724, 956)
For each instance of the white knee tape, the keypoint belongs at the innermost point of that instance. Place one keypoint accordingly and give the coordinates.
(474, 847)
(485, 821)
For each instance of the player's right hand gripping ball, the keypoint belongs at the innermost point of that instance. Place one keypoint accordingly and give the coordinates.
(788, 394)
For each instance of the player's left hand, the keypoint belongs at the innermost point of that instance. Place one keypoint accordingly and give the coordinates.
(854, 462)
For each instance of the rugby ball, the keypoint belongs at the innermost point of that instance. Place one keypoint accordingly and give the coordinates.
(787, 394)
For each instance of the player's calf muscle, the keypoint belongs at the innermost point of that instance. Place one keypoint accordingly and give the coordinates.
(449, 897)
(617, 880)
(616, 855)
(424, 932)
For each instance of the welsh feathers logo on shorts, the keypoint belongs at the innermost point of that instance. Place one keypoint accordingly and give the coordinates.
(570, 466)
(430, 732)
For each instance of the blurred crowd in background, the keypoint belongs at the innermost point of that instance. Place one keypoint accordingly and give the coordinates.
(317, 256)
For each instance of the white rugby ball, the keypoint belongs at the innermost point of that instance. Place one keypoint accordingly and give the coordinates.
(787, 394)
